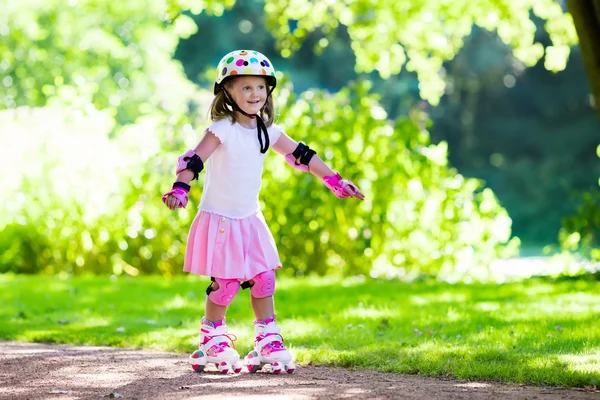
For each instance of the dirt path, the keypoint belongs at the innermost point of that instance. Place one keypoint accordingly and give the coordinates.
(40, 371)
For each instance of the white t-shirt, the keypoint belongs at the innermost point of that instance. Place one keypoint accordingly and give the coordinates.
(234, 170)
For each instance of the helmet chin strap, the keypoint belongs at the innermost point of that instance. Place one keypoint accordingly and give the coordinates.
(260, 125)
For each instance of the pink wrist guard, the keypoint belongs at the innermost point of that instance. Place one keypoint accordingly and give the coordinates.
(179, 193)
(338, 185)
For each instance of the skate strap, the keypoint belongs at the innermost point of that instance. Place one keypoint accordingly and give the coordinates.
(266, 329)
(268, 339)
(218, 339)
(220, 330)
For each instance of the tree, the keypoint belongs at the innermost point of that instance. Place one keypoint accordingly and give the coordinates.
(581, 231)
(118, 59)
(99, 54)
(586, 16)
(423, 33)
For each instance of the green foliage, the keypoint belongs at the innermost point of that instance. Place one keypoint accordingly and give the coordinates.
(90, 203)
(83, 202)
(113, 56)
(107, 121)
(491, 101)
(580, 231)
(419, 216)
(534, 332)
(528, 133)
(422, 33)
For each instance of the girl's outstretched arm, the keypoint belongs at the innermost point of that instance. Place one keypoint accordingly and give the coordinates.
(286, 146)
(208, 144)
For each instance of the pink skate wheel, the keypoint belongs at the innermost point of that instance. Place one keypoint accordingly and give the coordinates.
(276, 368)
(198, 368)
(291, 370)
(253, 368)
(224, 371)
(197, 354)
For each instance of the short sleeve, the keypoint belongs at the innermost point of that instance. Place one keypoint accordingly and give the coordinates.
(274, 133)
(221, 129)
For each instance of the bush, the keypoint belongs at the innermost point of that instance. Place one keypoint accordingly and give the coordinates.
(78, 201)
(419, 215)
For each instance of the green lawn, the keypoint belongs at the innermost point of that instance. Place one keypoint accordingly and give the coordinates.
(530, 332)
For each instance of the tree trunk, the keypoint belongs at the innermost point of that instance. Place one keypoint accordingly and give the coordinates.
(586, 16)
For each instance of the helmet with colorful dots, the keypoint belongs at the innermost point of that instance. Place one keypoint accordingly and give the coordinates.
(244, 62)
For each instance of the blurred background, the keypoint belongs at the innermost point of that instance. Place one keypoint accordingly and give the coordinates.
(470, 125)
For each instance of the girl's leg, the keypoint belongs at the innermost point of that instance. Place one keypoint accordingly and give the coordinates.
(263, 308)
(214, 312)
(216, 343)
(268, 343)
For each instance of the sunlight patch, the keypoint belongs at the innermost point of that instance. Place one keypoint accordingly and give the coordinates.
(176, 303)
(445, 297)
(93, 322)
(369, 312)
(550, 308)
(302, 328)
(588, 363)
(473, 385)
(487, 306)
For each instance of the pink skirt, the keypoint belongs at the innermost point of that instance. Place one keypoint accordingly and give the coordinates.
(228, 248)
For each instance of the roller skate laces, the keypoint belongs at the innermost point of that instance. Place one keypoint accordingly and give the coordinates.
(269, 349)
(217, 346)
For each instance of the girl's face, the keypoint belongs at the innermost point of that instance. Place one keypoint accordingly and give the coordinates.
(250, 93)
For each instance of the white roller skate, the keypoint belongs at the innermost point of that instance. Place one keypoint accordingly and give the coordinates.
(269, 349)
(216, 347)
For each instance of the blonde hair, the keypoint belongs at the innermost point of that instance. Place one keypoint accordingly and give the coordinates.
(219, 109)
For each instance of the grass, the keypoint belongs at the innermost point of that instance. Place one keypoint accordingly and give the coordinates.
(535, 332)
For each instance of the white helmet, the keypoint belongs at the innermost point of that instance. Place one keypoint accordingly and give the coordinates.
(244, 62)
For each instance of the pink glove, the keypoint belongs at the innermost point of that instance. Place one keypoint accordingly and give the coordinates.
(179, 193)
(338, 186)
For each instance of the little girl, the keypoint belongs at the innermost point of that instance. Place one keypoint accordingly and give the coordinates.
(229, 240)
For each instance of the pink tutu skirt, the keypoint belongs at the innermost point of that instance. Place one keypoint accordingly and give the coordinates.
(228, 248)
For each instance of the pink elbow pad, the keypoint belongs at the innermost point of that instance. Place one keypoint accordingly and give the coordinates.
(182, 161)
(338, 186)
(292, 161)
(189, 160)
(300, 158)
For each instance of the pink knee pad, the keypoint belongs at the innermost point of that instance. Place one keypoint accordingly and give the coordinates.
(264, 285)
(227, 290)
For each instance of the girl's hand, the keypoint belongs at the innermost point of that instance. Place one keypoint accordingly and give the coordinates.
(353, 191)
(342, 188)
(177, 197)
(171, 202)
